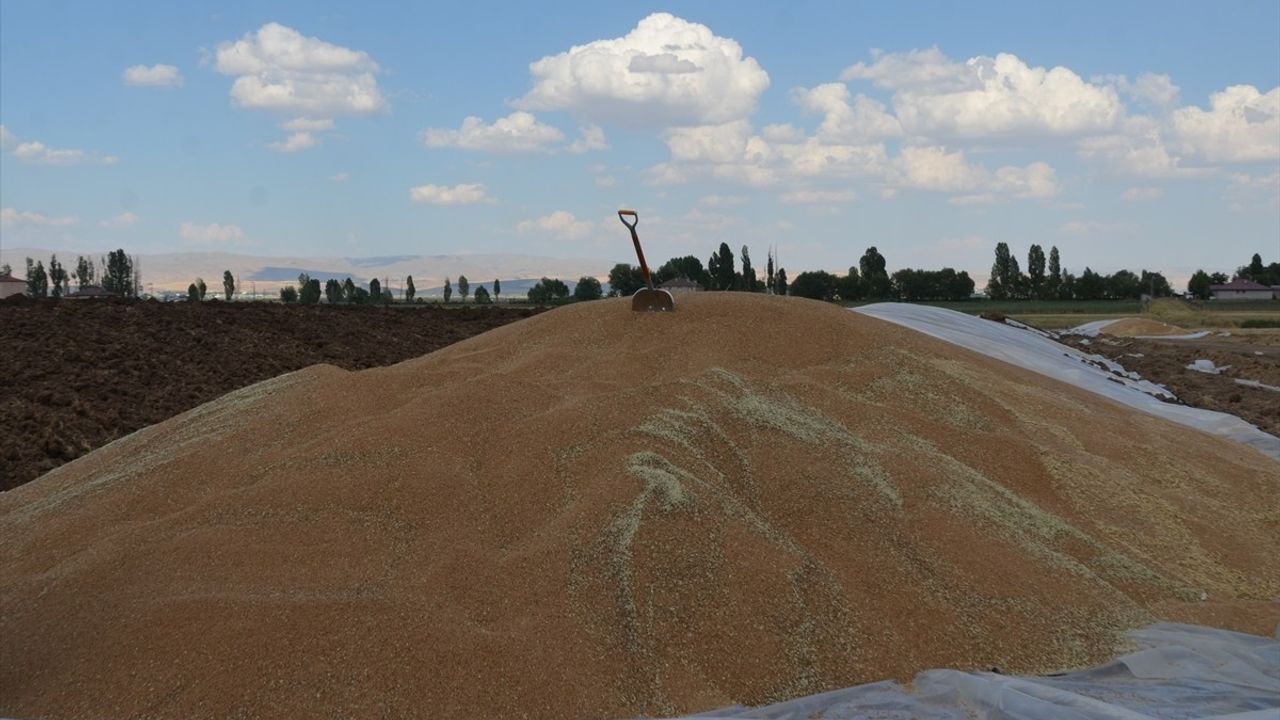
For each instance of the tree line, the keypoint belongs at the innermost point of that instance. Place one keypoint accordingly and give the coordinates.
(117, 273)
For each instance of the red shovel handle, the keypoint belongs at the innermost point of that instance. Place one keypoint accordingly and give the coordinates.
(635, 240)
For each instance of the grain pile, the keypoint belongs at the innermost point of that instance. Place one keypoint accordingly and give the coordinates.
(598, 513)
(1141, 327)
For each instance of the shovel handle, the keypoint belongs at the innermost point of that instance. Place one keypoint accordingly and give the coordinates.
(635, 240)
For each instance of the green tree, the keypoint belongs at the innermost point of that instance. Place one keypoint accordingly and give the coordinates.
(464, 287)
(1053, 283)
(228, 284)
(193, 293)
(482, 296)
(1123, 284)
(333, 291)
(1155, 284)
(769, 274)
(409, 289)
(201, 287)
(448, 290)
(588, 288)
(625, 280)
(1035, 272)
(749, 279)
(688, 267)
(57, 277)
(782, 281)
(349, 290)
(850, 286)
(1006, 277)
(497, 289)
(375, 289)
(118, 276)
(722, 269)
(815, 284)
(83, 272)
(1253, 271)
(875, 279)
(548, 290)
(1199, 284)
(309, 292)
(1090, 286)
(37, 279)
(288, 294)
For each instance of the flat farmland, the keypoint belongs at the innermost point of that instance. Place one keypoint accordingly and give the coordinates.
(76, 375)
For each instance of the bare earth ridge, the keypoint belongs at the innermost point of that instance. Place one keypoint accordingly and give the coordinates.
(597, 513)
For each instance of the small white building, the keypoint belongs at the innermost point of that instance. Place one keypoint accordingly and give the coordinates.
(1241, 289)
(10, 285)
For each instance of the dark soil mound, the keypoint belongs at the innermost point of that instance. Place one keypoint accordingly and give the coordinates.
(75, 375)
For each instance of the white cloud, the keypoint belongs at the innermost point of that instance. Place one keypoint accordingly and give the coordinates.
(1138, 149)
(1089, 227)
(933, 168)
(518, 132)
(464, 194)
(211, 234)
(1036, 181)
(165, 76)
(559, 224)
(37, 153)
(1253, 192)
(1140, 194)
(666, 71)
(123, 220)
(807, 197)
(6, 138)
(988, 97)
(278, 69)
(339, 177)
(1151, 90)
(847, 121)
(721, 200)
(296, 142)
(1241, 125)
(605, 181)
(305, 124)
(592, 139)
(11, 218)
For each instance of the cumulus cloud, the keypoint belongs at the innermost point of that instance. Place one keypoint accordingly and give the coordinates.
(1253, 192)
(592, 138)
(119, 222)
(37, 153)
(1141, 194)
(211, 234)
(934, 168)
(464, 194)
(304, 124)
(559, 224)
(829, 197)
(1149, 89)
(1241, 125)
(1137, 149)
(163, 76)
(666, 71)
(845, 119)
(988, 96)
(296, 142)
(278, 69)
(14, 219)
(516, 133)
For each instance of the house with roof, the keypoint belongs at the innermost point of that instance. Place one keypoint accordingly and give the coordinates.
(1241, 289)
(90, 292)
(681, 284)
(10, 285)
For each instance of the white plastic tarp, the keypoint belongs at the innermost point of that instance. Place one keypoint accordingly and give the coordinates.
(1091, 329)
(1035, 351)
(1179, 671)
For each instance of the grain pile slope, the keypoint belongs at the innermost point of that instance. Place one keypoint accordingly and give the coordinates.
(601, 513)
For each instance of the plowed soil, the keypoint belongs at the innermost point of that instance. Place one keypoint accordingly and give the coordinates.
(75, 375)
(600, 513)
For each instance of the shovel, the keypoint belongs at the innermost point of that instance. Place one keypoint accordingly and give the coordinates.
(649, 298)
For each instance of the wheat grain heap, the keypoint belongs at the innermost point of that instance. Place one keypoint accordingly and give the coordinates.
(598, 513)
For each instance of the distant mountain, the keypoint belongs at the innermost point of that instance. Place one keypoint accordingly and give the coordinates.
(172, 272)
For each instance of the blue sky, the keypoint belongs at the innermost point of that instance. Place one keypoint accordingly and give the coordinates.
(1127, 134)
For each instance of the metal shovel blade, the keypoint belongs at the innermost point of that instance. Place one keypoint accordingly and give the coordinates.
(651, 300)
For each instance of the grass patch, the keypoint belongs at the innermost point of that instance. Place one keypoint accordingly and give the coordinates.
(1260, 323)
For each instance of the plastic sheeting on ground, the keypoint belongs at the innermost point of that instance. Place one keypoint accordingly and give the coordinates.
(1035, 351)
(1180, 671)
(1091, 329)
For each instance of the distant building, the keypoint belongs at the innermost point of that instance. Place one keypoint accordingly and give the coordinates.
(89, 292)
(1241, 289)
(10, 285)
(681, 284)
